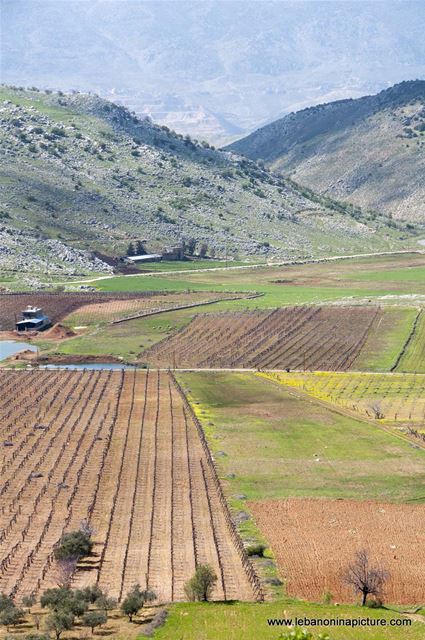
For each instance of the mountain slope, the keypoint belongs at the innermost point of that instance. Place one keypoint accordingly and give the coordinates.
(369, 151)
(90, 175)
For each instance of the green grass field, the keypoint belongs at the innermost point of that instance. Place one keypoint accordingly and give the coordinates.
(413, 359)
(245, 621)
(124, 340)
(386, 340)
(269, 439)
(188, 265)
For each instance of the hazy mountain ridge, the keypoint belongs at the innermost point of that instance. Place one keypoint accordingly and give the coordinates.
(209, 67)
(369, 151)
(89, 174)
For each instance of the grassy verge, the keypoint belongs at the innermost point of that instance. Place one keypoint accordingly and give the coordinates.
(248, 621)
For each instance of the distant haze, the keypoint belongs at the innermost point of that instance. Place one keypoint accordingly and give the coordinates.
(215, 69)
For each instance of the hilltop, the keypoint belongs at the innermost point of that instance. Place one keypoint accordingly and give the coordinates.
(369, 151)
(83, 174)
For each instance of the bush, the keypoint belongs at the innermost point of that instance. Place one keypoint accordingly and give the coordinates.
(375, 604)
(135, 600)
(6, 602)
(57, 131)
(200, 586)
(74, 545)
(256, 549)
(29, 601)
(302, 634)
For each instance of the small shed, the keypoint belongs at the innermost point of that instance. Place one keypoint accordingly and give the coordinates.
(148, 257)
(33, 319)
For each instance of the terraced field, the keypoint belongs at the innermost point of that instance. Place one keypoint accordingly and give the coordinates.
(124, 451)
(294, 337)
(386, 397)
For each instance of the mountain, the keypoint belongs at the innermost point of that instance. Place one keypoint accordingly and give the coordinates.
(369, 151)
(83, 174)
(213, 69)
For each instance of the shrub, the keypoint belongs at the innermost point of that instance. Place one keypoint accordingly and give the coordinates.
(74, 545)
(29, 601)
(6, 602)
(256, 549)
(57, 131)
(302, 634)
(200, 586)
(135, 600)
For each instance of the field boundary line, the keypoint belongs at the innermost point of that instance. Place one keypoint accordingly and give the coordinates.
(186, 306)
(246, 562)
(408, 340)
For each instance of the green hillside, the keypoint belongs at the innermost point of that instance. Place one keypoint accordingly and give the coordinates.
(82, 174)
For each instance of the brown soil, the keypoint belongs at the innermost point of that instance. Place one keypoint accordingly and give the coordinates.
(315, 539)
(328, 338)
(55, 305)
(59, 332)
(122, 450)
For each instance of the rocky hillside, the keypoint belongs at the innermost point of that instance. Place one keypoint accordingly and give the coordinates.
(369, 151)
(80, 174)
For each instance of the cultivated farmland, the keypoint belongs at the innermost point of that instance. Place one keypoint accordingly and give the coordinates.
(91, 308)
(387, 397)
(55, 305)
(122, 450)
(314, 540)
(294, 337)
(122, 309)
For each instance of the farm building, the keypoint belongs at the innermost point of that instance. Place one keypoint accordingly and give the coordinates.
(33, 319)
(149, 257)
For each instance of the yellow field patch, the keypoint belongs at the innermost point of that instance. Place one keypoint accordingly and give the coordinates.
(387, 397)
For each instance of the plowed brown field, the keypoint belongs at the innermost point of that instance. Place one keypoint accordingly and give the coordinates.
(123, 450)
(315, 539)
(328, 338)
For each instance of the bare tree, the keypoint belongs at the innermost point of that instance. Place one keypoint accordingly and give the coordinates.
(64, 571)
(377, 412)
(364, 578)
(87, 529)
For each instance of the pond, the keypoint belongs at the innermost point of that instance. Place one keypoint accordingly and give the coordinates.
(11, 347)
